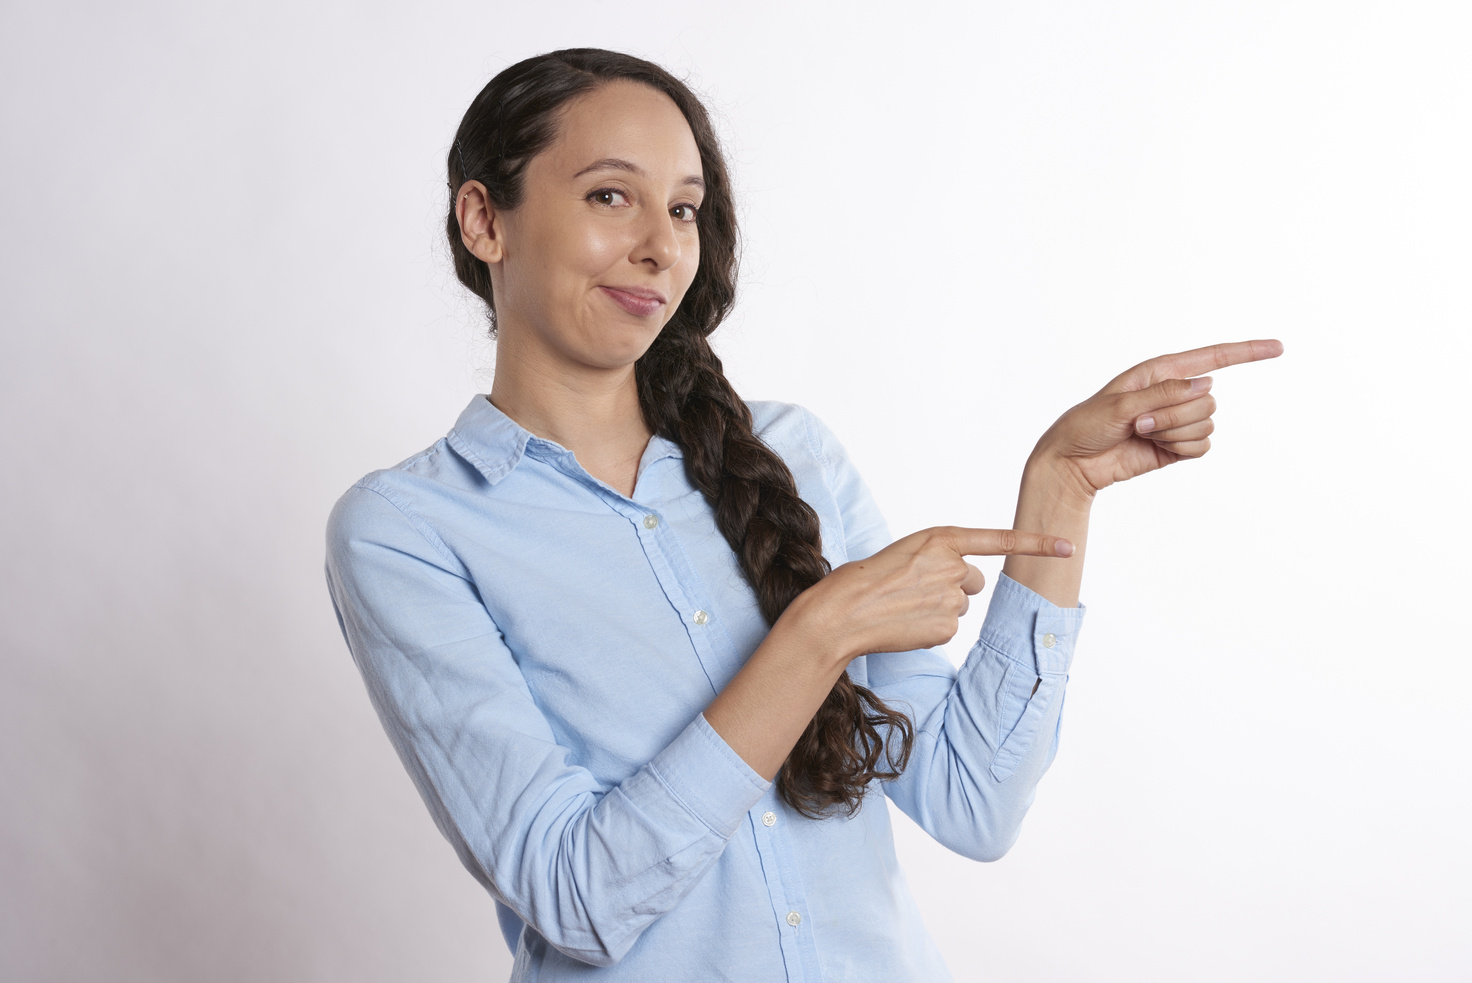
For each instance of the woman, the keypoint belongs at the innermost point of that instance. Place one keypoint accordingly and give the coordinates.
(647, 650)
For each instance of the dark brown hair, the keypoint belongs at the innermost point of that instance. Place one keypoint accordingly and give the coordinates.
(685, 397)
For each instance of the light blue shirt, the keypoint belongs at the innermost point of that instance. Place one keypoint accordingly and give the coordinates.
(540, 649)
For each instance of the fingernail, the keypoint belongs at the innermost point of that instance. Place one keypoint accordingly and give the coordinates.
(1064, 548)
(1145, 424)
(1201, 385)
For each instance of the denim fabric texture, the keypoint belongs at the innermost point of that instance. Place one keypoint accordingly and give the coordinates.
(540, 647)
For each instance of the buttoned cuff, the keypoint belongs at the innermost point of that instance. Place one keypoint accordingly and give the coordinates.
(1030, 629)
(712, 781)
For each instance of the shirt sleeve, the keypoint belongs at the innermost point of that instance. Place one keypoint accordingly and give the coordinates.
(985, 735)
(587, 865)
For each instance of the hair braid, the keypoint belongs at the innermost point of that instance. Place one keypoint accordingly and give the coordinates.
(775, 535)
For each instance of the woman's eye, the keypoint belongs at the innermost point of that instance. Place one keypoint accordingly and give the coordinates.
(608, 196)
(685, 213)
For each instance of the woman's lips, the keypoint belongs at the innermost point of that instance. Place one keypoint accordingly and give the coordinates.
(640, 303)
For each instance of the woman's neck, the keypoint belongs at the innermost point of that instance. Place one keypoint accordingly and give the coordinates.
(594, 414)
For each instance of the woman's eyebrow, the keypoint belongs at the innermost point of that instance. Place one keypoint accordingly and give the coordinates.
(619, 164)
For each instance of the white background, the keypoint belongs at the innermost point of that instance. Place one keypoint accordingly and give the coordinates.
(226, 297)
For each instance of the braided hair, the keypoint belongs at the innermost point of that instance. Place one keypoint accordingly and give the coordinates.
(686, 398)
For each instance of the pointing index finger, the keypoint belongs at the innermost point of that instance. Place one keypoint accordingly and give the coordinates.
(1005, 542)
(1183, 365)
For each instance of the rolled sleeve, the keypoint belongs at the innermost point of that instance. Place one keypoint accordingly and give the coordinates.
(1023, 655)
(708, 778)
(1029, 629)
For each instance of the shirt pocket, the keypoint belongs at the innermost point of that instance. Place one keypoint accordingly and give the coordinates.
(1022, 700)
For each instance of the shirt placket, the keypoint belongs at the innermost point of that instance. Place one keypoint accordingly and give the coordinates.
(677, 579)
(770, 822)
(682, 588)
(769, 819)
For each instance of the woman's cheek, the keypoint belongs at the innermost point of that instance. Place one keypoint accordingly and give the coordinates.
(689, 262)
(601, 249)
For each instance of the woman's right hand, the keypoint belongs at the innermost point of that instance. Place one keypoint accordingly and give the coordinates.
(912, 593)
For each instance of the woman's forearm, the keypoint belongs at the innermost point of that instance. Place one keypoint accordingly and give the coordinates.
(1048, 502)
(765, 708)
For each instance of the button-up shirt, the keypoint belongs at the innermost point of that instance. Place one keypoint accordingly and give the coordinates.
(540, 648)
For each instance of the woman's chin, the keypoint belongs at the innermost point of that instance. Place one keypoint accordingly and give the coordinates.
(622, 341)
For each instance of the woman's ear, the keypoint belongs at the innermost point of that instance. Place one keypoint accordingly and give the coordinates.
(481, 228)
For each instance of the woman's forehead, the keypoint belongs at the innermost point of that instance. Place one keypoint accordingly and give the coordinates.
(624, 121)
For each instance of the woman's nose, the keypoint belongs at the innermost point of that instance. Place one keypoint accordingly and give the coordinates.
(659, 245)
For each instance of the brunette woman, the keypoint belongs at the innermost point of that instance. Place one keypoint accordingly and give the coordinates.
(647, 649)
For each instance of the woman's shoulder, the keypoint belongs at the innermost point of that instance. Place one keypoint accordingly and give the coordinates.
(396, 493)
(795, 432)
(826, 478)
(436, 464)
(476, 453)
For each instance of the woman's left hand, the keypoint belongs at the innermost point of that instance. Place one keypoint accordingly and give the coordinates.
(1145, 418)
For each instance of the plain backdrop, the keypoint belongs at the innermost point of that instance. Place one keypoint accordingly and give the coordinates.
(226, 296)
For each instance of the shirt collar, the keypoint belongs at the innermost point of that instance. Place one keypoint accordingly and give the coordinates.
(496, 444)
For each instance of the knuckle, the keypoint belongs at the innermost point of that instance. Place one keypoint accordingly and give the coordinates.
(1007, 540)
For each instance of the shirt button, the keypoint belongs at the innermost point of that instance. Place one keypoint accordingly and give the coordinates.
(650, 521)
(769, 818)
(701, 618)
(794, 919)
(1049, 640)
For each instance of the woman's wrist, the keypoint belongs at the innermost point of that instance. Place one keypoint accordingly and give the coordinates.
(1055, 500)
(1056, 483)
(819, 629)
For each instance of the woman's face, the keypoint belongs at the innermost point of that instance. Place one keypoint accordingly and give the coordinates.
(595, 259)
